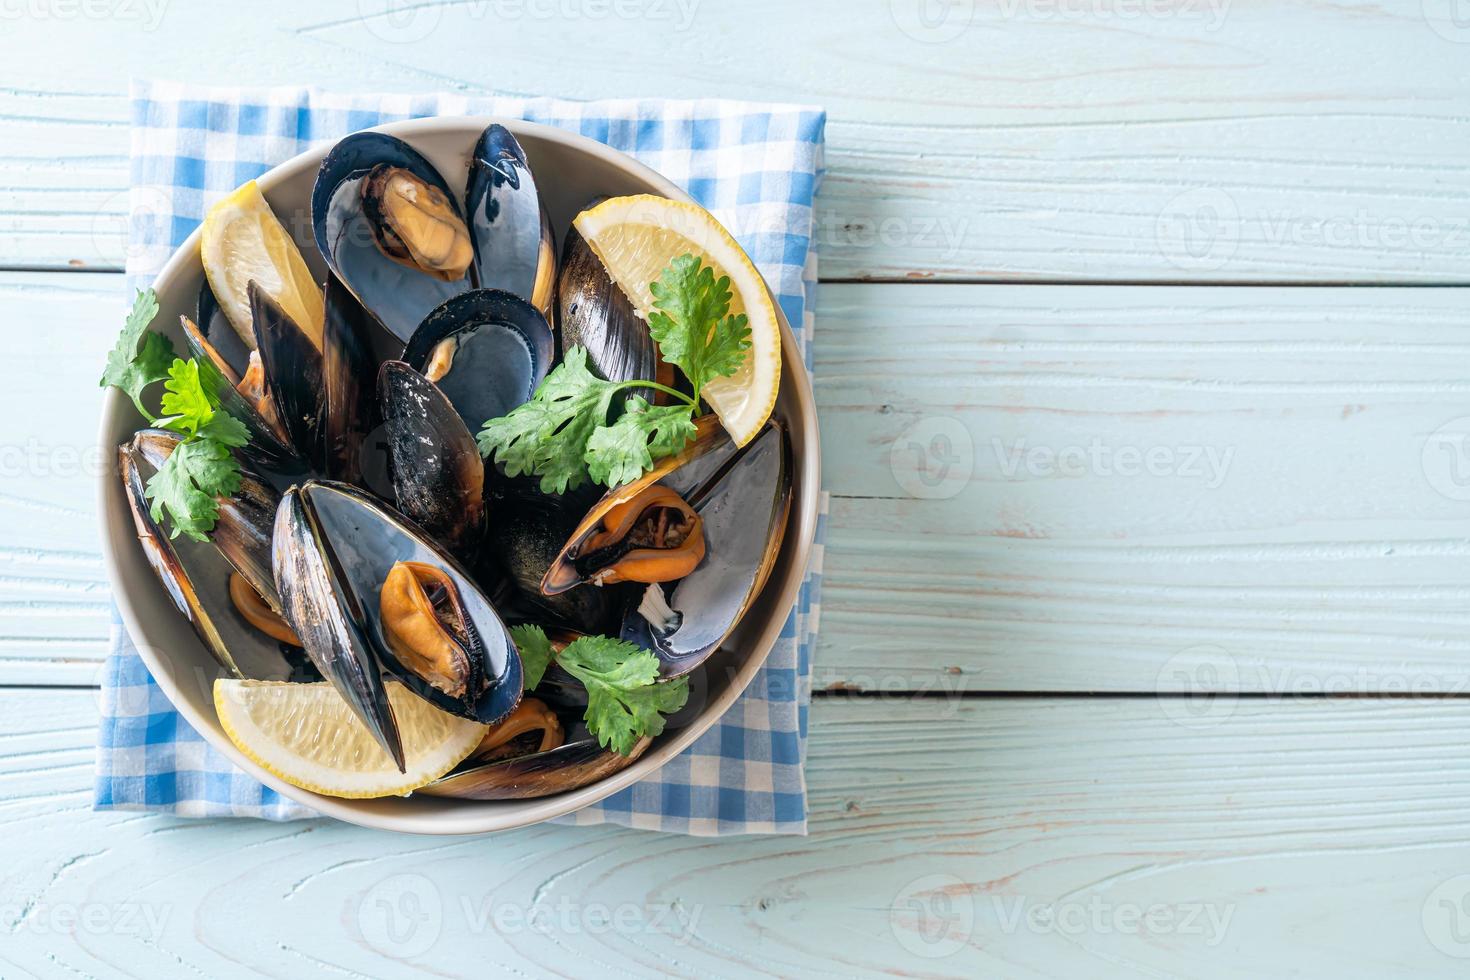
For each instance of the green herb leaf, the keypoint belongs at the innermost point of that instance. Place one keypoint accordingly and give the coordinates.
(625, 699)
(132, 368)
(187, 407)
(547, 436)
(196, 472)
(691, 325)
(536, 654)
(622, 452)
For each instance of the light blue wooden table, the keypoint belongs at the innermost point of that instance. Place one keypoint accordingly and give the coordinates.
(1110, 423)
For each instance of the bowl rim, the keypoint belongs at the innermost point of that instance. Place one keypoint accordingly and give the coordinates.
(784, 585)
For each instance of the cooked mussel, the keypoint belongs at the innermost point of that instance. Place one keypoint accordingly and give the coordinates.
(196, 574)
(532, 727)
(425, 624)
(246, 399)
(291, 367)
(415, 224)
(653, 537)
(525, 536)
(389, 227)
(438, 475)
(744, 510)
(334, 548)
(646, 531)
(594, 312)
(541, 748)
(487, 350)
(515, 249)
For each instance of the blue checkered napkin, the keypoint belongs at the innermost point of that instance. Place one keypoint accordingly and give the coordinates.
(755, 166)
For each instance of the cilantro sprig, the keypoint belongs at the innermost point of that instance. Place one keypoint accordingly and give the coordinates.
(625, 699)
(563, 434)
(201, 468)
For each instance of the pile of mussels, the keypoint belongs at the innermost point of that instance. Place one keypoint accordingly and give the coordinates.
(364, 501)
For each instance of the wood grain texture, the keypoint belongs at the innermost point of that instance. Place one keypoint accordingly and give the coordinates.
(1209, 140)
(1132, 489)
(949, 839)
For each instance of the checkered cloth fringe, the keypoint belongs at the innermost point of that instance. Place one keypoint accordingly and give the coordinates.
(755, 166)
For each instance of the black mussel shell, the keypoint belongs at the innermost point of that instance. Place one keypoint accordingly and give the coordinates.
(269, 449)
(577, 763)
(195, 573)
(292, 363)
(515, 249)
(349, 364)
(683, 473)
(525, 536)
(359, 540)
(487, 350)
(331, 621)
(398, 295)
(438, 475)
(215, 327)
(594, 312)
(242, 531)
(744, 509)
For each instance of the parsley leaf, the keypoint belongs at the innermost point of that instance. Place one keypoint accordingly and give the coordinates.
(130, 368)
(625, 700)
(186, 405)
(201, 467)
(197, 471)
(547, 436)
(536, 654)
(563, 435)
(622, 452)
(691, 325)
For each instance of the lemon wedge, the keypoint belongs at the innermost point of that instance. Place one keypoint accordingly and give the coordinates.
(308, 736)
(637, 237)
(244, 240)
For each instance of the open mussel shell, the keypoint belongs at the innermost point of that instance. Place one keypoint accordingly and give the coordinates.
(594, 312)
(242, 531)
(349, 364)
(585, 558)
(487, 350)
(270, 448)
(391, 253)
(292, 367)
(744, 510)
(196, 573)
(525, 534)
(515, 249)
(334, 548)
(575, 764)
(438, 475)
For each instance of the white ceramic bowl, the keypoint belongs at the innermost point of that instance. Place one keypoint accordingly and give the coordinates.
(571, 170)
